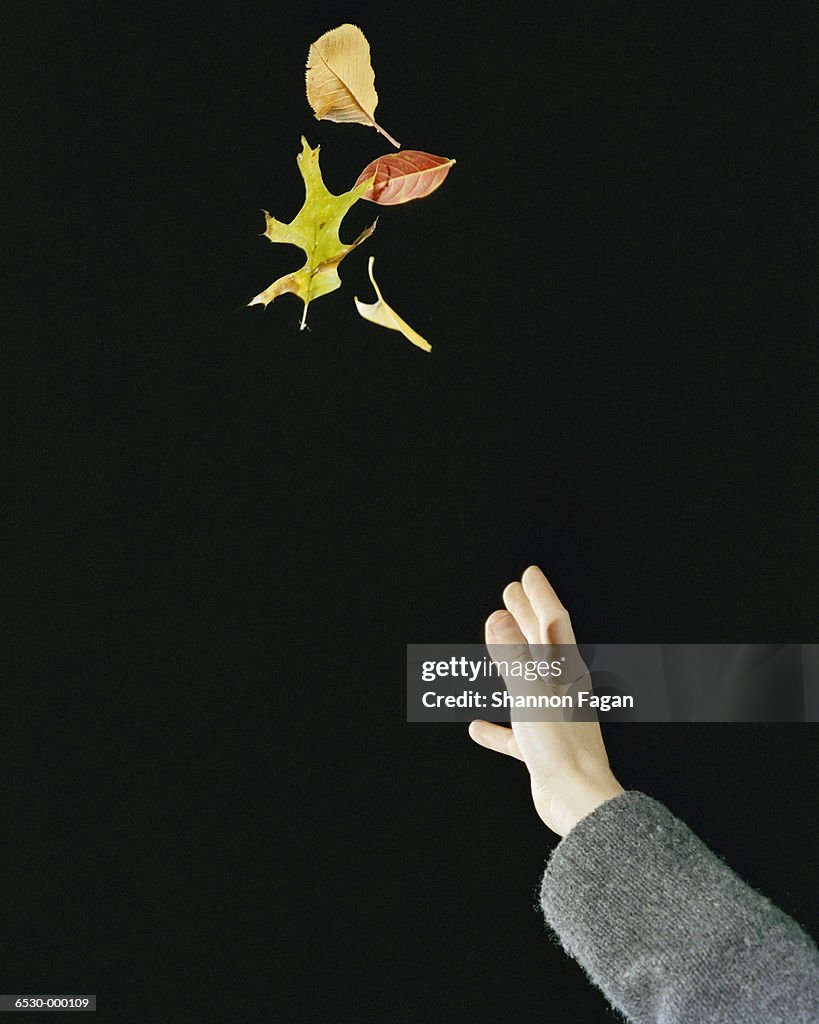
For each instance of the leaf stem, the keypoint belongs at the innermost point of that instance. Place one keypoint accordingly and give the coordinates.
(386, 135)
(303, 323)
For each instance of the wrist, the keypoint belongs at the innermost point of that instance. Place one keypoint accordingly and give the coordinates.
(579, 798)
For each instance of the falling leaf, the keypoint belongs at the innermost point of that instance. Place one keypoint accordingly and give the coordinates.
(340, 79)
(383, 315)
(400, 177)
(314, 229)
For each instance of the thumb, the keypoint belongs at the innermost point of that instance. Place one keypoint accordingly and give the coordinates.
(495, 737)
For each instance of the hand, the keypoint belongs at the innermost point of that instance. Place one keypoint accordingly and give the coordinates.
(567, 761)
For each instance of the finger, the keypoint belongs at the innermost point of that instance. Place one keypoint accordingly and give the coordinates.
(517, 603)
(501, 628)
(555, 624)
(504, 640)
(495, 737)
(512, 657)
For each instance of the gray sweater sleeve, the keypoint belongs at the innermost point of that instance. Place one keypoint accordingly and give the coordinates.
(667, 931)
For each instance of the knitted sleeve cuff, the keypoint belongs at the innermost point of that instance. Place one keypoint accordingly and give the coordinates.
(666, 930)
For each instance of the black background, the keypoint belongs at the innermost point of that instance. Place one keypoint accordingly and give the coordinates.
(224, 530)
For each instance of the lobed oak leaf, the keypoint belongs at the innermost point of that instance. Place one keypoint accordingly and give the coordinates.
(385, 316)
(340, 80)
(315, 230)
(400, 177)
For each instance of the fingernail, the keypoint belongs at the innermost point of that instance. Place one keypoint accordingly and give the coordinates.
(503, 625)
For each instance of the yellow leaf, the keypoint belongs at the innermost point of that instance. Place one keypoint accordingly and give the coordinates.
(314, 229)
(340, 79)
(383, 315)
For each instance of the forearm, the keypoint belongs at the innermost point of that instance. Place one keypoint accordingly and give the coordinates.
(667, 931)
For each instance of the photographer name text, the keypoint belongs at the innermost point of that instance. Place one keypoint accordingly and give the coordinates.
(504, 699)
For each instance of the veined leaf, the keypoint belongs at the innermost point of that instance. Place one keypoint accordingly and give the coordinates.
(314, 229)
(385, 316)
(400, 177)
(340, 79)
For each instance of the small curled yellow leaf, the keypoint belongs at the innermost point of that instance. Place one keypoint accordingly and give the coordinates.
(382, 314)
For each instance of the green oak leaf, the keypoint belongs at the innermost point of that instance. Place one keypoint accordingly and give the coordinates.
(314, 229)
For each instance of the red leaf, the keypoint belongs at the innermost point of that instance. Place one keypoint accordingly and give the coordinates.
(400, 177)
